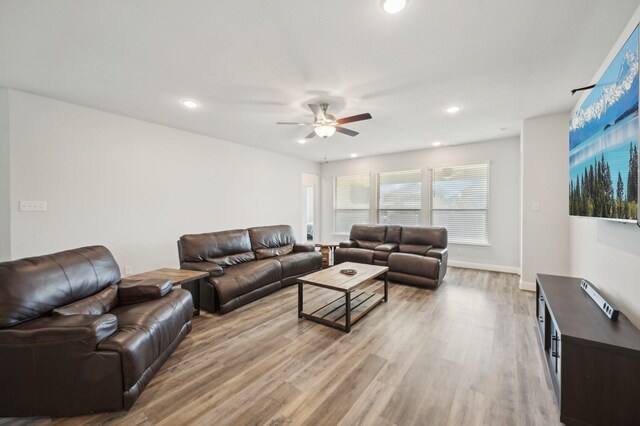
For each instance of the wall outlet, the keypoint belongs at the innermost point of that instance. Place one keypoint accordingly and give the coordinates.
(33, 206)
(128, 270)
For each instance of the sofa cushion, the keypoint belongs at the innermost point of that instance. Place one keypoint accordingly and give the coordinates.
(224, 248)
(414, 249)
(393, 234)
(356, 255)
(232, 259)
(146, 330)
(368, 236)
(246, 277)
(266, 237)
(265, 253)
(300, 263)
(414, 265)
(98, 304)
(424, 236)
(35, 286)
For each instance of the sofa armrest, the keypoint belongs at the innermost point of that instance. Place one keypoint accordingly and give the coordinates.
(59, 329)
(388, 247)
(213, 269)
(136, 291)
(302, 248)
(437, 253)
(348, 244)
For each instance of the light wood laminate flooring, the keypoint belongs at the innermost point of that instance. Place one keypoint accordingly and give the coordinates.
(465, 354)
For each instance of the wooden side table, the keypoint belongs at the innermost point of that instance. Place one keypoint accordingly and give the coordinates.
(179, 277)
(327, 251)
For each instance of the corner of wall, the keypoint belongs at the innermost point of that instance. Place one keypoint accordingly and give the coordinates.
(5, 188)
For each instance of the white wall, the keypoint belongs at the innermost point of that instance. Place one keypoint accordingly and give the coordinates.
(604, 252)
(504, 196)
(544, 144)
(5, 216)
(134, 186)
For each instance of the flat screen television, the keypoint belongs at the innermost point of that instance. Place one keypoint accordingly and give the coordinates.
(603, 143)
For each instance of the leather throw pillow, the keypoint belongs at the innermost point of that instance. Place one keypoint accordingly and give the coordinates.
(264, 253)
(98, 304)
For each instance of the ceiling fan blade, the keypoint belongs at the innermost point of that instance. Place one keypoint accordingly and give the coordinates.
(296, 124)
(359, 117)
(346, 131)
(311, 135)
(317, 111)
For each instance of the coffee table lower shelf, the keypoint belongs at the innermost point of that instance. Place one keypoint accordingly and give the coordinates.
(334, 313)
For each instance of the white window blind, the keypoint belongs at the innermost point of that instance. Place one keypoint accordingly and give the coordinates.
(399, 197)
(351, 202)
(460, 202)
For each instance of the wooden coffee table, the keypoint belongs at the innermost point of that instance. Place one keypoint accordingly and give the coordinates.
(352, 304)
(179, 277)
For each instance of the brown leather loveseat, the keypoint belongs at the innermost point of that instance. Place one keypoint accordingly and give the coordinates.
(414, 254)
(75, 339)
(246, 264)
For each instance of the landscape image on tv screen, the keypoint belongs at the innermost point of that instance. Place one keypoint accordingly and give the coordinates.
(603, 143)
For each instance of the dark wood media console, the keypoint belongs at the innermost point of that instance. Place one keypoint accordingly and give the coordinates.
(594, 362)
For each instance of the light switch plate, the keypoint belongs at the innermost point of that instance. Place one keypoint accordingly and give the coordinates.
(33, 206)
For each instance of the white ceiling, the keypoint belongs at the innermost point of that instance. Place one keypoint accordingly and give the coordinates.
(251, 63)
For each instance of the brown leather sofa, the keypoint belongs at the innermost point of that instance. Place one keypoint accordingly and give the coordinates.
(246, 264)
(415, 254)
(75, 339)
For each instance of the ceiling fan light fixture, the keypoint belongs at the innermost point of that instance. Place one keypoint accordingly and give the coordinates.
(325, 131)
(393, 6)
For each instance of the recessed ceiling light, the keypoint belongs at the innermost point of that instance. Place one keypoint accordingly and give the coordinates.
(190, 103)
(453, 109)
(354, 155)
(437, 143)
(393, 6)
(301, 141)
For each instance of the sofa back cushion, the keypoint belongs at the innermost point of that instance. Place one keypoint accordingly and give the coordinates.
(368, 236)
(224, 248)
(35, 286)
(423, 236)
(98, 304)
(393, 234)
(270, 241)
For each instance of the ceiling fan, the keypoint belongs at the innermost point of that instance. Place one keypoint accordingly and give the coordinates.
(325, 125)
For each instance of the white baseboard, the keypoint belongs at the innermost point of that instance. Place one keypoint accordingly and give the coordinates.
(527, 286)
(485, 267)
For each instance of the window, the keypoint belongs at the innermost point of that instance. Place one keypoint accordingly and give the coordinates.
(460, 202)
(351, 202)
(399, 197)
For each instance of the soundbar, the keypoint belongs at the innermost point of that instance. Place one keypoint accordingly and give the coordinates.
(609, 309)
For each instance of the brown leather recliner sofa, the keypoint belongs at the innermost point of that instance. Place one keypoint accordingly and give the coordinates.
(75, 339)
(246, 264)
(414, 254)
